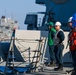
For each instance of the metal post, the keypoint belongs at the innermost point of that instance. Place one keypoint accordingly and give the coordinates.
(11, 49)
(29, 54)
(13, 53)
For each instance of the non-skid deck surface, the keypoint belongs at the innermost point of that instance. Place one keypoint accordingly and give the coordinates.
(49, 71)
(46, 71)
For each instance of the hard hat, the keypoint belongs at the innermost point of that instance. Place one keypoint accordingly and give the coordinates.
(50, 24)
(74, 24)
(74, 17)
(70, 19)
(74, 20)
(57, 23)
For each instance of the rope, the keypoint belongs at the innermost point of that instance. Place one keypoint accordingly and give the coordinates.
(34, 54)
(20, 44)
(24, 46)
(27, 40)
(3, 39)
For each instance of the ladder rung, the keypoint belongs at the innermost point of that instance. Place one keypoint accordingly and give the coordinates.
(36, 56)
(11, 51)
(35, 62)
(35, 51)
(11, 57)
(10, 63)
(45, 58)
(33, 57)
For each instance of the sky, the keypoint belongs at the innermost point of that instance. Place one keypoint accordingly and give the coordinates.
(17, 9)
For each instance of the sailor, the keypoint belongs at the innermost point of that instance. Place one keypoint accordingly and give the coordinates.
(72, 39)
(70, 22)
(51, 34)
(59, 46)
(70, 25)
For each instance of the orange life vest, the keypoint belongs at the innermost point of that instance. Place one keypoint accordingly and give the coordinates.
(72, 40)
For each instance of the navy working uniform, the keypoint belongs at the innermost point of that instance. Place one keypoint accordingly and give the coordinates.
(72, 39)
(51, 34)
(59, 46)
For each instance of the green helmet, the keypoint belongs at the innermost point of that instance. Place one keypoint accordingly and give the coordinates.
(50, 24)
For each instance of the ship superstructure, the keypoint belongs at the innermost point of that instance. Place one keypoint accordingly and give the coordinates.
(6, 27)
(56, 10)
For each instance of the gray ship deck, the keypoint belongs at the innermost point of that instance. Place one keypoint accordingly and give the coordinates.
(46, 71)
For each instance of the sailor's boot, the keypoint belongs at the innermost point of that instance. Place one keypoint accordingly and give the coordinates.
(52, 64)
(59, 68)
